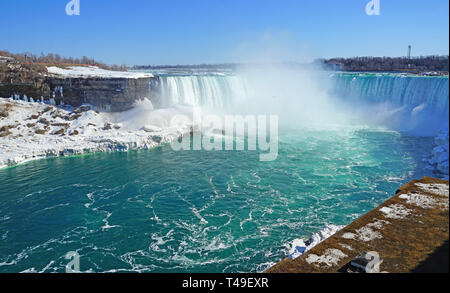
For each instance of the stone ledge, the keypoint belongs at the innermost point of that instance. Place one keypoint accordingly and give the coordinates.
(409, 232)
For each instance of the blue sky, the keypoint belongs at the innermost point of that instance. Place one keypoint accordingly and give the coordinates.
(216, 31)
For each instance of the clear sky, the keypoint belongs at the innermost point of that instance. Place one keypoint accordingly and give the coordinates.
(215, 31)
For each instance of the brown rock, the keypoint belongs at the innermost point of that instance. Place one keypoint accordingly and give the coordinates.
(44, 121)
(108, 126)
(74, 117)
(59, 132)
(40, 131)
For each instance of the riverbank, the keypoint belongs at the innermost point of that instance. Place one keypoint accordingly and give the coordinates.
(30, 131)
(409, 232)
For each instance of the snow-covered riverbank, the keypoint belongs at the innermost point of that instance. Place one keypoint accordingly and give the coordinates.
(30, 131)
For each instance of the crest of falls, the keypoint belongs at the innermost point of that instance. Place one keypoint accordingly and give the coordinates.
(215, 91)
(401, 102)
(409, 103)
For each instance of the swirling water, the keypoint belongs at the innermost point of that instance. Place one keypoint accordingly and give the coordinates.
(197, 211)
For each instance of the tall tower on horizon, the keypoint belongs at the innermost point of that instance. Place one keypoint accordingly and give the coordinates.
(409, 52)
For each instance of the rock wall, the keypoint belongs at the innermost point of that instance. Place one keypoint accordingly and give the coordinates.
(20, 79)
(26, 82)
(108, 94)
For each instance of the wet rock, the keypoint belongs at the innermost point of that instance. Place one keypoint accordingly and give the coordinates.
(66, 125)
(40, 131)
(34, 117)
(44, 121)
(107, 126)
(61, 131)
(4, 110)
(74, 117)
(85, 108)
(75, 132)
(4, 133)
(157, 138)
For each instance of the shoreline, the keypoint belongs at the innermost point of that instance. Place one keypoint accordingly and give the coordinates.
(6, 167)
(32, 131)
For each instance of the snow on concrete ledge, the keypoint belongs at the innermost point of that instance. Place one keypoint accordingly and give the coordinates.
(405, 231)
(92, 72)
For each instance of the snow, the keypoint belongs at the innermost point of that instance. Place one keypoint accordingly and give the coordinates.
(331, 257)
(93, 71)
(151, 128)
(434, 188)
(21, 142)
(349, 235)
(395, 211)
(346, 246)
(299, 247)
(421, 200)
(367, 233)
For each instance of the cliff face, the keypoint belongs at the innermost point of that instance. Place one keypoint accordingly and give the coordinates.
(113, 94)
(23, 79)
(108, 94)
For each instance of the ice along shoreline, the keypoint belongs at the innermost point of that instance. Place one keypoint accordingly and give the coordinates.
(32, 130)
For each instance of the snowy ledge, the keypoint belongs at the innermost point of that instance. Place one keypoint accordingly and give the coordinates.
(31, 131)
(93, 72)
(405, 231)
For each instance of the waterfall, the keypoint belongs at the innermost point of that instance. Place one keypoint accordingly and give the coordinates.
(401, 102)
(222, 90)
(407, 103)
(409, 91)
(215, 91)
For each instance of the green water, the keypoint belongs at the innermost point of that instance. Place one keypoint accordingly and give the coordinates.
(197, 211)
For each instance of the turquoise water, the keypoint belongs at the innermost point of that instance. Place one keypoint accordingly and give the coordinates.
(197, 211)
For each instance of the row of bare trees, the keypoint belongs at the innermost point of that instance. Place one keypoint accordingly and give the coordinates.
(422, 63)
(57, 59)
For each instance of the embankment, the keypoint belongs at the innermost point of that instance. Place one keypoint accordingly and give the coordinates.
(409, 232)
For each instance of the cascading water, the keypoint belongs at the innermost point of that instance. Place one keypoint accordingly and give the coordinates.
(401, 102)
(413, 91)
(409, 103)
(215, 91)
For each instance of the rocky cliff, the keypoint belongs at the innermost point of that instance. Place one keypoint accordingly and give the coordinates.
(23, 79)
(108, 94)
(106, 90)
